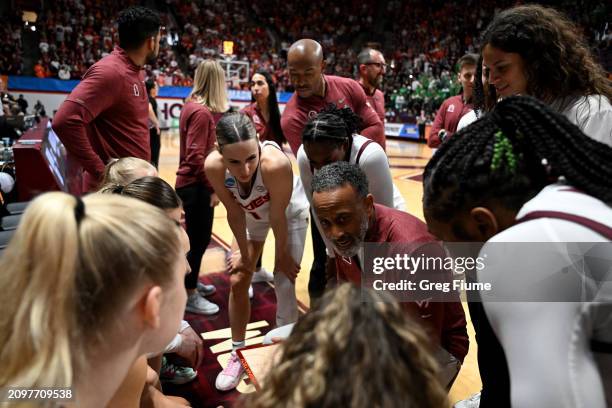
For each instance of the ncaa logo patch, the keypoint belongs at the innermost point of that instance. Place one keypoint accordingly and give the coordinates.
(230, 182)
(261, 189)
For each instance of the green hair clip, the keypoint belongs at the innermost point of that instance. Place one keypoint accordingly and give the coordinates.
(503, 149)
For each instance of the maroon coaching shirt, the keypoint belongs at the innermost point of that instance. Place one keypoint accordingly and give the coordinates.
(340, 91)
(197, 129)
(105, 116)
(377, 101)
(448, 117)
(445, 320)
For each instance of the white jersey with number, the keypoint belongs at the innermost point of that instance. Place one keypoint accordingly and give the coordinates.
(256, 201)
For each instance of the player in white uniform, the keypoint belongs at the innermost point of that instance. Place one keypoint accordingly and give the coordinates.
(523, 174)
(256, 185)
(330, 137)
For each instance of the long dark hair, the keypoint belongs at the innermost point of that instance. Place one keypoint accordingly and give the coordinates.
(558, 62)
(274, 122)
(511, 154)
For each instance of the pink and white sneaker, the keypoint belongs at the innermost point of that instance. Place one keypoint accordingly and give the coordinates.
(231, 375)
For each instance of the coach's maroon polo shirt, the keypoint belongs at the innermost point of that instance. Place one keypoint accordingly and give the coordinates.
(106, 116)
(339, 91)
(197, 129)
(445, 320)
(447, 117)
(377, 101)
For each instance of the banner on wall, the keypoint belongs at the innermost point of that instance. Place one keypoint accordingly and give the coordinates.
(403, 130)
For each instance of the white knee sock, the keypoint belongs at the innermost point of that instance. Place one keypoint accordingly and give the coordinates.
(286, 303)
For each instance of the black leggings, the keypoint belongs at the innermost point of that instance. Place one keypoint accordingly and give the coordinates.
(155, 139)
(199, 219)
(318, 278)
(492, 364)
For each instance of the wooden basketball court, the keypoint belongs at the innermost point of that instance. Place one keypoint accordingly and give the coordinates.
(407, 161)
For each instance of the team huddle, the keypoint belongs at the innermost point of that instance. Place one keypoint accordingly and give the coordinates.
(523, 156)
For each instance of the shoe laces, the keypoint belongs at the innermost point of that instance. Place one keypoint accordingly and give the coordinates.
(234, 367)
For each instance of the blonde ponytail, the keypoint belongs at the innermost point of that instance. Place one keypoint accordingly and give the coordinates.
(64, 281)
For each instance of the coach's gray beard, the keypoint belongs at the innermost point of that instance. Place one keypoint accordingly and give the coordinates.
(354, 250)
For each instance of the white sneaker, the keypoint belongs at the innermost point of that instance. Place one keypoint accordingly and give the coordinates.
(206, 290)
(250, 291)
(262, 275)
(198, 304)
(231, 375)
(472, 402)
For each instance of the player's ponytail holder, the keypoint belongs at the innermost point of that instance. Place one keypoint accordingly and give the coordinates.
(79, 210)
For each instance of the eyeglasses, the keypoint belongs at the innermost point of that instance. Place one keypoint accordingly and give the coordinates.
(378, 64)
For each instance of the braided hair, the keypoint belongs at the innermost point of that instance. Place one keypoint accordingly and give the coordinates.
(332, 125)
(509, 156)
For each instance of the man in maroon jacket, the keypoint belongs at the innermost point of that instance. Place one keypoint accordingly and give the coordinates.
(350, 218)
(372, 68)
(314, 91)
(452, 109)
(106, 115)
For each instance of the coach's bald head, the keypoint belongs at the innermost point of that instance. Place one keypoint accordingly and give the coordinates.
(305, 65)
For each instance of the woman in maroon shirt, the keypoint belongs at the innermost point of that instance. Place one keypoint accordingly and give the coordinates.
(263, 109)
(207, 101)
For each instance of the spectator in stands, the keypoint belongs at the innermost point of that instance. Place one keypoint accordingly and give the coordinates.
(207, 101)
(372, 68)
(39, 70)
(39, 109)
(106, 115)
(535, 50)
(154, 128)
(455, 107)
(23, 104)
(358, 331)
(69, 318)
(64, 72)
(313, 92)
